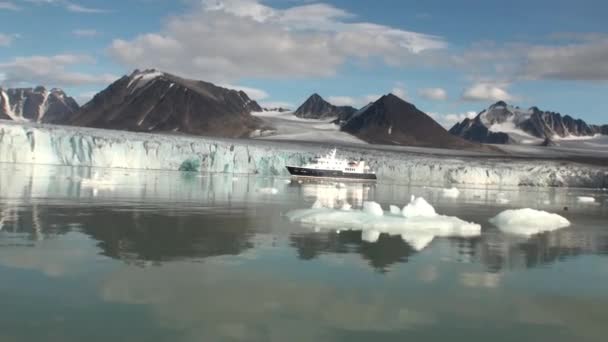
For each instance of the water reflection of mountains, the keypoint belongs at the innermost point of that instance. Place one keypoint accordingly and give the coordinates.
(142, 236)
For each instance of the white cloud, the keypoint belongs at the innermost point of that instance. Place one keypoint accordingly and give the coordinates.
(253, 93)
(342, 100)
(5, 5)
(85, 33)
(437, 94)
(487, 92)
(356, 102)
(50, 71)
(68, 5)
(72, 7)
(224, 41)
(5, 39)
(450, 119)
(580, 61)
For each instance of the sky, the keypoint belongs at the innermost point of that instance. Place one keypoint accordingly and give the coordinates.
(451, 59)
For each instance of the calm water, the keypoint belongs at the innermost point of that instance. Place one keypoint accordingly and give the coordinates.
(160, 256)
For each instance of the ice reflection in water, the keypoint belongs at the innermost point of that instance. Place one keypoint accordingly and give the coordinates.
(188, 257)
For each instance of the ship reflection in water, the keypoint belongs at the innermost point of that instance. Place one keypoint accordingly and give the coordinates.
(211, 257)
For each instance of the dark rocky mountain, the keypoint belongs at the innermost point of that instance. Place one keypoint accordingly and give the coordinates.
(600, 129)
(391, 120)
(315, 107)
(36, 105)
(155, 101)
(504, 124)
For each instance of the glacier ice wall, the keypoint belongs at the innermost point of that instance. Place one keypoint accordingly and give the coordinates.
(76, 146)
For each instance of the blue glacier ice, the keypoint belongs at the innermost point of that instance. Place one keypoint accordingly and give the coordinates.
(77, 146)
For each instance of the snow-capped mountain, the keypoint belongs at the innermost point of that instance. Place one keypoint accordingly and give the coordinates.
(502, 124)
(315, 107)
(151, 100)
(391, 120)
(36, 105)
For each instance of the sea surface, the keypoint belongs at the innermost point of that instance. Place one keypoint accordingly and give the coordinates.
(124, 255)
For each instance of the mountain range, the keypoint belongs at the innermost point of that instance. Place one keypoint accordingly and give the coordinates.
(502, 123)
(154, 101)
(36, 104)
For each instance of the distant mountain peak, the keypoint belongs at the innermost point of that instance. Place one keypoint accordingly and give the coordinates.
(315, 107)
(393, 121)
(501, 123)
(152, 100)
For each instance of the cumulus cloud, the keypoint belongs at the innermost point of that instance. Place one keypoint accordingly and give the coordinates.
(487, 92)
(227, 40)
(51, 71)
(437, 94)
(5, 5)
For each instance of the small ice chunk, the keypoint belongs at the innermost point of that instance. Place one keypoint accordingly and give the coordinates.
(450, 193)
(370, 235)
(268, 191)
(372, 208)
(502, 200)
(341, 185)
(418, 207)
(528, 221)
(234, 179)
(585, 199)
(346, 206)
(395, 210)
(288, 181)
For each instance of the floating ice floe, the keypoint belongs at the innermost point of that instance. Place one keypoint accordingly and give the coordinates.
(268, 191)
(528, 221)
(585, 199)
(417, 223)
(450, 193)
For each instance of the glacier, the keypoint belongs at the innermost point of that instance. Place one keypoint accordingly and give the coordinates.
(77, 146)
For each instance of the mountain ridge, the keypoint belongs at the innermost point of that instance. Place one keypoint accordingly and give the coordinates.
(36, 105)
(151, 100)
(501, 123)
(316, 107)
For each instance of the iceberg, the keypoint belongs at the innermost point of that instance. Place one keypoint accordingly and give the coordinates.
(418, 224)
(77, 146)
(528, 221)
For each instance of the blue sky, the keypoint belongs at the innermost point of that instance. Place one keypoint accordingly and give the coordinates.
(449, 58)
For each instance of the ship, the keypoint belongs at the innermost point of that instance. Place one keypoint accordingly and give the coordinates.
(329, 166)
